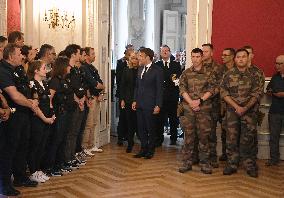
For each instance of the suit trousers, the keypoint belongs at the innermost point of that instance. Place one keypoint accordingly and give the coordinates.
(169, 110)
(146, 122)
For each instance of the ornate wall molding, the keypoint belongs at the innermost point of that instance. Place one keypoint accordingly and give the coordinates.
(90, 23)
(3, 17)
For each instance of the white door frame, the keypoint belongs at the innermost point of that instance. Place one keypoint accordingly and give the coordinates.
(199, 25)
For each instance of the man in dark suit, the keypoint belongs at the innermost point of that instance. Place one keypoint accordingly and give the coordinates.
(147, 101)
(172, 72)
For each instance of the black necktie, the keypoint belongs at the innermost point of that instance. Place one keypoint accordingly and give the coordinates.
(166, 65)
(143, 71)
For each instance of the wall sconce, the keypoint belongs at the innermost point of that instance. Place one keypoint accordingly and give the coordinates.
(56, 19)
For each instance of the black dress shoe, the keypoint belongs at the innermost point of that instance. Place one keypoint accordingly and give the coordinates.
(9, 191)
(140, 154)
(149, 155)
(228, 170)
(25, 183)
(129, 149)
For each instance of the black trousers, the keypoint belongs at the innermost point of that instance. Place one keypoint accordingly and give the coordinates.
(169, 110)
(276, 122)
(82, 129)
(73, 133)
(122, 124)
(57, 142)
(131, 120)
(39, 135)
(15, 136)
(146, 122)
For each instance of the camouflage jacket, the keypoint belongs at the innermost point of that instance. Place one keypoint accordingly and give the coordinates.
(219, 71)
(223, 103)
(197, 83)
(240, 86)
(259, 77)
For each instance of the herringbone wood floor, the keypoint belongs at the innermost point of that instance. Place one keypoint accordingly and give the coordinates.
(115, 174)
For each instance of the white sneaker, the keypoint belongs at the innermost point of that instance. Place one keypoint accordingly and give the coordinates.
(35, 177)
(88, 152)
(43, 175)
(96, 149)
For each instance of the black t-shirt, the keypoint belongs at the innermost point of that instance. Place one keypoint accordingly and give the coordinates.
(275, 85)
(64, 94)
(92, 78)
(9, 76)
(42, 93)
(76, 81)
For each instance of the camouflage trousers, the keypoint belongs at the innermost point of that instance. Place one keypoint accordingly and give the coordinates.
(223, 135)
(195, 124)
(213, 137)
(241, 139)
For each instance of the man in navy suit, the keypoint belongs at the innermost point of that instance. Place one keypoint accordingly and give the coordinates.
(172, 72)
(147, 101)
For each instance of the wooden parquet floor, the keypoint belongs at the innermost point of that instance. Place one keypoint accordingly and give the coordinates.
(116, 174)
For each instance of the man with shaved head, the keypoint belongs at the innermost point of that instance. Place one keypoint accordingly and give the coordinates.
(276, 112)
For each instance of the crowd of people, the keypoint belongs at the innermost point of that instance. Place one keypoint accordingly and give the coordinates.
(154, 92)
(50, 103)
(49, 110)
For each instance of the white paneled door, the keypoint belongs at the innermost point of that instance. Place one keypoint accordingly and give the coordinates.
(171, 28)
(103, 42)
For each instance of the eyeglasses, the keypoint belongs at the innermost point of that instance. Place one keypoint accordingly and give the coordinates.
(277, 63)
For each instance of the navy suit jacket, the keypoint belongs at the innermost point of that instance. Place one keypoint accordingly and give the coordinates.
(149, 90)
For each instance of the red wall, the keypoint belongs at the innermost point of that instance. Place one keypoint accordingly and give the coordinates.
(259, 23)
(13, 15)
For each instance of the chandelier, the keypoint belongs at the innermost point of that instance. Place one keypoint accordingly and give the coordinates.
(56, 19)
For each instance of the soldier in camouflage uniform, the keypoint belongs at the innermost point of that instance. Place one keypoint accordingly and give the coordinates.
(228, 56)
(241, 93)
(213, 66)
(197, 85)
(259, 77)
